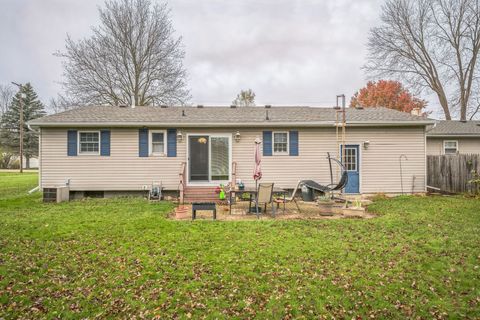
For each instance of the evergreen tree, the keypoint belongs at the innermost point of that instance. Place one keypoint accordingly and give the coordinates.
(10, 123)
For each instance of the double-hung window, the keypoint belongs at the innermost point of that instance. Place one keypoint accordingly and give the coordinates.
(157, 142)
(280, 143)
(450, 147)
(89, 142)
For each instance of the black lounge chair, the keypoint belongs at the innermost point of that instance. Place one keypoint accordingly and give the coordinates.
(342, 183)
(329, 187)
(319, 187)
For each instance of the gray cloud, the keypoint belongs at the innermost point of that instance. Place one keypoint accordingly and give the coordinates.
(288, 52)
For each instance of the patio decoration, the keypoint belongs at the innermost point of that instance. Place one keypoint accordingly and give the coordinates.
(221, 193)
(325, 205)
(257, 172)
(354, 209)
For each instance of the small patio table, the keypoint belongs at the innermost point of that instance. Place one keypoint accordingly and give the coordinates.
(251, 192)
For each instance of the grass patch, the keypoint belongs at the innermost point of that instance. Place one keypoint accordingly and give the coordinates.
(14, 184)
(122, 257)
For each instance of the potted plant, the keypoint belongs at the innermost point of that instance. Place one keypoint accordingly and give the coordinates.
(325, 204)
(354, 209)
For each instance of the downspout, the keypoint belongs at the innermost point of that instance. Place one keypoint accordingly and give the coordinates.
(433, 127)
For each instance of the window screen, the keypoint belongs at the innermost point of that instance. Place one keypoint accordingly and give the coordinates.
(158, 145)
(450, 147)
(280, 142)
(89, 142)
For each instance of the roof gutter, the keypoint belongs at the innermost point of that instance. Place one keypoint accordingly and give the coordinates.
(309, 124)
(453, 135)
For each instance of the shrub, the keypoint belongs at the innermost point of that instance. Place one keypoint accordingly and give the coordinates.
(5, 160)
(14, 164)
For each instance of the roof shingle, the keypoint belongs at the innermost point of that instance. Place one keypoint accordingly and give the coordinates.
(219, 116)
(454, 128)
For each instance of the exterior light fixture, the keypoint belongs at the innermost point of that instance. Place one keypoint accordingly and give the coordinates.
(366, 144)
(237, 136)
(179, 136)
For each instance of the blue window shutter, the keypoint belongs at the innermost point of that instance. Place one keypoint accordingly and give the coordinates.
(105, 142)
(72, 143)
(143, 142)
(293, 141)
(171, 142)
(267, 143)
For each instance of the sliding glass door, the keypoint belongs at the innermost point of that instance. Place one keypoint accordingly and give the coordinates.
(209, 158)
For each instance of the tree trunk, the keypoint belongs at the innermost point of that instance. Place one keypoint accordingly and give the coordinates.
(463, 111)
(27, 162)
(444, 103)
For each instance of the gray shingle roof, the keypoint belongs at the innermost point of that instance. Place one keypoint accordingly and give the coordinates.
(454, 128)
(221, 116)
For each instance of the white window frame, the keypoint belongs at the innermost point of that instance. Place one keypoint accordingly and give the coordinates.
(84, 153)
(150, 142)
(282, 153)
(456, 145)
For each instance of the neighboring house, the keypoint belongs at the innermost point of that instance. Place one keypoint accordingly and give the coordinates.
(453, 137)
(33, 163)
(116, 150)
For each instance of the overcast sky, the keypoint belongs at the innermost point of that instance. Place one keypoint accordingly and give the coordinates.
(289, 52)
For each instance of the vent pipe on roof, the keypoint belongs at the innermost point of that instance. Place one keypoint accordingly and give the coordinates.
(183, 113)
(268, 106)
(133, 101)
(266, 115)
(200, 106)
(233, 106)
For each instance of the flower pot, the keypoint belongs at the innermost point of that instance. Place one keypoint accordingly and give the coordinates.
(353, 212)
(325, 208)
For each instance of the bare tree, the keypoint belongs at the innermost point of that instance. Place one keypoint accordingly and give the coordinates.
(433, 45)
(6, 95)
(246, 98)
(62, 103)
(132, 54)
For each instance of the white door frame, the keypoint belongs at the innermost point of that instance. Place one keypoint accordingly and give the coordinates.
(209, 183)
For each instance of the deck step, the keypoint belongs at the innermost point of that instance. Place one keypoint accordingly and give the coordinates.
(201, 194)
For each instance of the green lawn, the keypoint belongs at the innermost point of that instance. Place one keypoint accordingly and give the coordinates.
(119, 258)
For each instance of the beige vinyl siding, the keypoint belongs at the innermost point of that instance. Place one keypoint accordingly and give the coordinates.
(465, 145)
(124, 170)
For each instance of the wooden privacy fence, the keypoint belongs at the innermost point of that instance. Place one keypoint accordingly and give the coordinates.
(452, 173)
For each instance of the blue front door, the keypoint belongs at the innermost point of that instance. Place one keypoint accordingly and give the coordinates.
(352, 164)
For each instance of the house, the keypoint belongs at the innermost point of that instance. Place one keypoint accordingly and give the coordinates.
(109, 150)
(452, 137)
